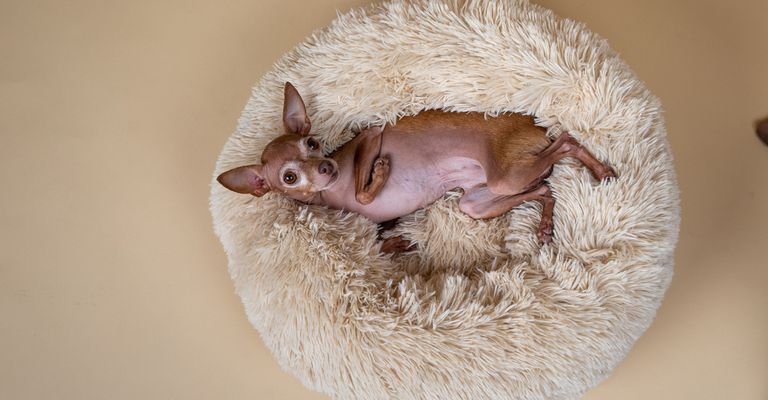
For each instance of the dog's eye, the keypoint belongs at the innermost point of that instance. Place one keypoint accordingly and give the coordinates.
(313, 144)
(289, 177)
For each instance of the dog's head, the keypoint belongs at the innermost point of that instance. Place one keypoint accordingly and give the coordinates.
(292, 163)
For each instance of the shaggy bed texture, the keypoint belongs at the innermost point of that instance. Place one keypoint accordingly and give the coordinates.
(480, 310)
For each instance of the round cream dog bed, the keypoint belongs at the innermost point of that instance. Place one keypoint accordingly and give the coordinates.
(480, 310)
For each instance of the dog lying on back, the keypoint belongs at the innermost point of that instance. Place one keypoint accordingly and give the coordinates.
(388, 172)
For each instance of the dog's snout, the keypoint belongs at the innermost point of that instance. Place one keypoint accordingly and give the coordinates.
(325, 168)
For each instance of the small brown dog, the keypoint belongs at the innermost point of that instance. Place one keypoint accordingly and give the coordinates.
(388, 172)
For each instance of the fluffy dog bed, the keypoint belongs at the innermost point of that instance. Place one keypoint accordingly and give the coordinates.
(480, 310)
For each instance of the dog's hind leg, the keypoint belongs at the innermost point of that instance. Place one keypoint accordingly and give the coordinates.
(530, 171)
(481, 203)
(566, 146)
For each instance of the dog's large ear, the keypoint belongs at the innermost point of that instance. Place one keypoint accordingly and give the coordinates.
(247, 180)
(295, 118)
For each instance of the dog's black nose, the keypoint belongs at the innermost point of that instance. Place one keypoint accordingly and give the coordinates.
(325, 168)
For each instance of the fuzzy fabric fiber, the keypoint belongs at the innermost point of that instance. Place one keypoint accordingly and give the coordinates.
(480, 311)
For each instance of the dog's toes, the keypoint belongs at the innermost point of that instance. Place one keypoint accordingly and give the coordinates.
(381, 162)
(606, 173)
(395, 245)
(545, 238)
(545, 232)
(381, 166)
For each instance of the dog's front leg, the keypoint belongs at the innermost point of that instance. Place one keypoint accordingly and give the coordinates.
(395, 244)
(371, 170)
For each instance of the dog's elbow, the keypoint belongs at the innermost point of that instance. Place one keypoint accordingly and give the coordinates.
(364, 198)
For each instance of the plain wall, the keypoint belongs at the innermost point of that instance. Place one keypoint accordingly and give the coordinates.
(112, 114)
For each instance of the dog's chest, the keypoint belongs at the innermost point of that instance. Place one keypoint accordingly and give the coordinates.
(410, 187)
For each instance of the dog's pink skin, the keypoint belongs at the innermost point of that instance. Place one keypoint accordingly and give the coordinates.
(423, 167)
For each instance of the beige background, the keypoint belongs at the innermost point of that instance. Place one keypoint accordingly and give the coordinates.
(113, 286)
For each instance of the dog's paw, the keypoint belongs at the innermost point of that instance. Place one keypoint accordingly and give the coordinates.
(381, 166)
(605, 173)
(546, 231)
(395, 245)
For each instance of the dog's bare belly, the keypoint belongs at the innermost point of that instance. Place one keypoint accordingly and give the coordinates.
(436, 153)
(425, 162)
(409, 189)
